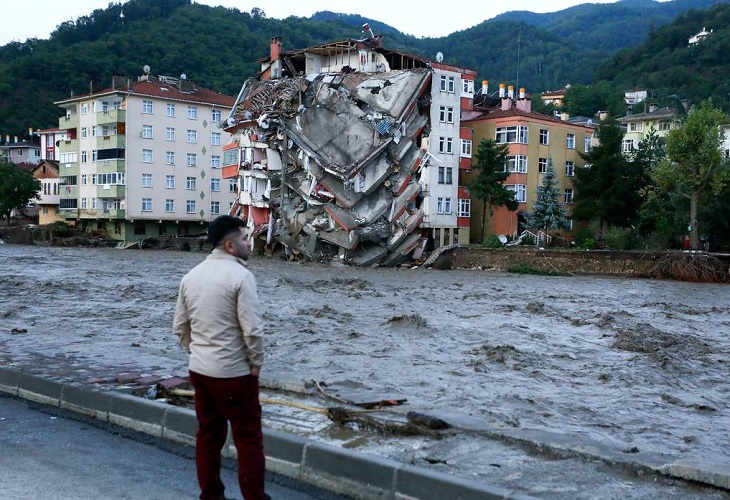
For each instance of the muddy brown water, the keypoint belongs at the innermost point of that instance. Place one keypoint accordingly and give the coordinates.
(640, 366)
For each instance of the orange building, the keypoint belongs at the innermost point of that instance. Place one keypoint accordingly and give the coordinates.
(532, 139)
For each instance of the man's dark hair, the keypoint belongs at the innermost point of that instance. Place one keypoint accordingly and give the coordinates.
(222, 227)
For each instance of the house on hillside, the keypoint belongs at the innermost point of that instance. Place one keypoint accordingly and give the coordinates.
(143, 158)
(532, 138)
(554, 97)
(701, 35)
(350, 149)
(639, 125)
(19, 151)
(635, 96)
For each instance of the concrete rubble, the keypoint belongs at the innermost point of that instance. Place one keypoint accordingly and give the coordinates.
(330, 163)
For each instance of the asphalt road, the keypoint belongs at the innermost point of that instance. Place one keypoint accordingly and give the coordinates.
(47, 454)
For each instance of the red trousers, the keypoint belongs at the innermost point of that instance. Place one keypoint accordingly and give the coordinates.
(217, 402)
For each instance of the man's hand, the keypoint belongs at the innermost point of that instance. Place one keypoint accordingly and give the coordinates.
(255, 370)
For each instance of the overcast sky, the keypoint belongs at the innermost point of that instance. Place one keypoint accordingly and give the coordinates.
(20, 20)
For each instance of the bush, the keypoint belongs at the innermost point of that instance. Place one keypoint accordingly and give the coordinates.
(620, 238)
(523, 268)
(492, 241)
(528, 240)
(584, 238)
(60, 229)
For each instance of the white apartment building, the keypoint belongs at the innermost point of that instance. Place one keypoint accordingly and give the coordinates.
(452, 89)
(143, 158)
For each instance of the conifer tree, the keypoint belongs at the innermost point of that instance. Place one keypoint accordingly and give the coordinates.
(548, 211)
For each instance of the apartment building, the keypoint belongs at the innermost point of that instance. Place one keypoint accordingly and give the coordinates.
(532, 138)
(143, 158)
(352, 147)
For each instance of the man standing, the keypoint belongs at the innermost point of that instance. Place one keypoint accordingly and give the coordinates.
(218, 320)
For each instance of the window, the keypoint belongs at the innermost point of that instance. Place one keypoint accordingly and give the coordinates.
(94, 155)
(192, 112)
(83, 156)
(170, 158)
(66, 203)
(84, 202)
(146, 204)
(636, 127)
(191, 183)
(587, 143)
(439, 205)
(520, 191)
(94, 203)
(192, 136)
(542, 164)
(511, 134)
(215, 116)
(445, 175)
(147, 107)
(215, 138)
(464, 207)
(569, 168)
(516, 164)
(215, 184)
(84, 131)
(544, 136)
(147, 156)
(627, 146)
(146, 132)
(84, 179)
(466, 145)
(664, 125)
(447, 205)
(215, 162)
(93, 131)
(232, 185)
(190, 206)
(147, 180)
(170, 109)
(446, 114)
(170, 134)
(467, 86)
(568, 196)
(84, 109)
(215, 207)
(192, 160)
(68, 180)
(170, 181)
(446, 145)
(570, 141)
(447, 84)
(169, 205)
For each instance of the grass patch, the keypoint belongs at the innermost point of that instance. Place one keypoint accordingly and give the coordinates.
(523, 268)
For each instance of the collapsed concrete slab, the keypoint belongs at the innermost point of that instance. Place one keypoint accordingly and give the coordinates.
(328, 164)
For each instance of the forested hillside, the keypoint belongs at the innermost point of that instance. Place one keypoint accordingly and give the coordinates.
(219, 48)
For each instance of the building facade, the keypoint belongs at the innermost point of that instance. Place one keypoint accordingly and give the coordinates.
(46, 205)
(143, 158)
(639, 125)
(532, 139)
(18, 151)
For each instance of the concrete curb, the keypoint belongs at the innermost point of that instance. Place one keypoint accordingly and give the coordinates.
(336, 469)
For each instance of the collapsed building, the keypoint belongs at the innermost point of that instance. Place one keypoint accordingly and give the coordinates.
(334, 152)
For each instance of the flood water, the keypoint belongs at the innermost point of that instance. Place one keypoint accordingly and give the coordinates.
(640, 366)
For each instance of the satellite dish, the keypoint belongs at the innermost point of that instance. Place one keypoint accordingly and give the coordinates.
(502, 239)
(183, 77)
(146, 68)
(231, 121)
(590, 122)
(439, 57)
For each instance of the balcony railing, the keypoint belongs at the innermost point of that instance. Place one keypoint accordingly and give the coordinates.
(110, 191)
(109, 116)
(111, 141)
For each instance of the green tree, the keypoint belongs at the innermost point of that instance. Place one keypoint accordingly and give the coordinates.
(548, 212)
(488, 185)
(695, 167)
(587, 100)
(608, 187)
(17, 188)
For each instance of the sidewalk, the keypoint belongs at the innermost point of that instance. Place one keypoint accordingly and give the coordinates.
(332, 468)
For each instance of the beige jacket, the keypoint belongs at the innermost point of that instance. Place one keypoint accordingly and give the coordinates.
(218, 319)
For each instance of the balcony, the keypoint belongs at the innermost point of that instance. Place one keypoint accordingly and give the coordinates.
(68, 191)
(69, 146)
(110, 166)
(110, 191)
(100, 213)
(110, 116)
(68, 213)
(68, 122)
(111, 141)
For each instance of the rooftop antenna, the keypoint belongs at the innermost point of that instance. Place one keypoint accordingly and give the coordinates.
(519, 34)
